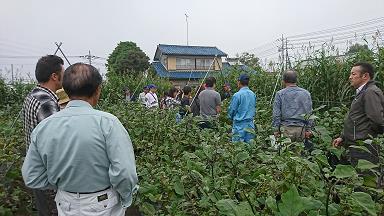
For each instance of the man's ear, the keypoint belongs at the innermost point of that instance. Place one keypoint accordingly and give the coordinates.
(55, 76)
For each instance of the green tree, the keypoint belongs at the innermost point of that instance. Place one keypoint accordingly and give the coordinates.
(356, 48)
(126, 58)
(251, 61)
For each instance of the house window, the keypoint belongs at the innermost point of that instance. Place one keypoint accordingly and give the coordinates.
(204, 64)
(164, 61)
(185, 64)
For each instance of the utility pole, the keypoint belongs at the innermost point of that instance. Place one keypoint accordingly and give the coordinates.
(282, 53)
(287, 62)
(186, 19)
(89, 57)
(12, 73)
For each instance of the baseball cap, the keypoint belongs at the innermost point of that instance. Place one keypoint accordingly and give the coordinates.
(152, 86)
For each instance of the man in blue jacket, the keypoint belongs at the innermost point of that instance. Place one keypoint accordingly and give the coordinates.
(242, 111)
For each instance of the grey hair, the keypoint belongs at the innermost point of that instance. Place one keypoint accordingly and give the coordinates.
(290, 76)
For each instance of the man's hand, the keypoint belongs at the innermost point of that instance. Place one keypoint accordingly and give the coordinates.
(277, 134)
(307, 134)
(337, 142)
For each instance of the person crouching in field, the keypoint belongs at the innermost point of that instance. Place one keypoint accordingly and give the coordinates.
(242, 110)
(84, 153)
(290, 104)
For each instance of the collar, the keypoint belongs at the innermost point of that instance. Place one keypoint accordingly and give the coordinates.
(78, 103)
(244, 88)
(49, 91)
(358, 90)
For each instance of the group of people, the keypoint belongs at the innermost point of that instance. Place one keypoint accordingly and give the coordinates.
(80, 161)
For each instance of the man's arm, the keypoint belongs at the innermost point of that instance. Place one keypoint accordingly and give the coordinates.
(46, 109)
(122, 169)
(309, 110)
(218, 103)
(374, 110)
(233, 107)
(276, 114)
(33, 170)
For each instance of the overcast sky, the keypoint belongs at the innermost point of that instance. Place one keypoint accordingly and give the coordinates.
(31, 27)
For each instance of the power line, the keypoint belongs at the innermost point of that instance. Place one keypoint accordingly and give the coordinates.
(273, 43)
(363, 23)
(335, 39)
(339, 34)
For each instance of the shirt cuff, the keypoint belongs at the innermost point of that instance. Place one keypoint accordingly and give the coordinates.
(127, 201)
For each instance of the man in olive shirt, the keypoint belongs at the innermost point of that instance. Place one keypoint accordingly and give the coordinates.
(84, 153)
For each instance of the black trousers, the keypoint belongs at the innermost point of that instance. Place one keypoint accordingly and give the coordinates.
(45, 202)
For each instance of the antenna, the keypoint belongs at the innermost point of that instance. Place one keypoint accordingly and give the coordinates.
(186, 20)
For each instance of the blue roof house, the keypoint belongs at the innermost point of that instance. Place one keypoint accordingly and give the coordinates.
(187, 64)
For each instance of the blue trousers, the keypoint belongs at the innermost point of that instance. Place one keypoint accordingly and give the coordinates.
(239, 132)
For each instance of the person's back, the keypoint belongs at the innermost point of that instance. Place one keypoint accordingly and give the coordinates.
(39, 104)
(210, 100)
(246, 105)
(80, 134)
(242, 110)
(293, 103)
(84, 153)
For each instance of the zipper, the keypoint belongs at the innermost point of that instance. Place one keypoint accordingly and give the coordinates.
(354, 130)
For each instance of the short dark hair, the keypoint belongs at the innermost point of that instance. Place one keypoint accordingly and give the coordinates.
(46, 66)
(210, 82)
(81, 80)
(244, 82)
(290, 76)
(172, 91)
(366, 68)
(187, 89)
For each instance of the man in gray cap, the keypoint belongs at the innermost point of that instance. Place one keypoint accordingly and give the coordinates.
(242, 111)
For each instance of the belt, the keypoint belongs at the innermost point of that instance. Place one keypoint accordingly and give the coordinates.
(89, 192)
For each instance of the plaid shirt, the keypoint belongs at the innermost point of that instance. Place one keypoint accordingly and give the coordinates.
(38, 105)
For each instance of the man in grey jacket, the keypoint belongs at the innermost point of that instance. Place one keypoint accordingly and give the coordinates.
(365, 117)
(291, 103)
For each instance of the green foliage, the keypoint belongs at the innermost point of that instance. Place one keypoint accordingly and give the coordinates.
(127, 58)
(293, 204)
(184, 170)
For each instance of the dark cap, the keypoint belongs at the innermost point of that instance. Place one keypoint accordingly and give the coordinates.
(150, 86)
(243, 77)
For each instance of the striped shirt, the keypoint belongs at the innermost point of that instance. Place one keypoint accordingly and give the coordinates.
(40, 103)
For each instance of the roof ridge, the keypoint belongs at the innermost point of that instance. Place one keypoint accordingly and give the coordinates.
(186, 45)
